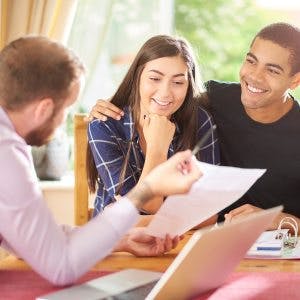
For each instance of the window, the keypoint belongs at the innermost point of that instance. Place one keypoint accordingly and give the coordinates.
(106, 35)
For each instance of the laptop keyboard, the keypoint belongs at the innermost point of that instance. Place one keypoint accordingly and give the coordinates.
(138, 293)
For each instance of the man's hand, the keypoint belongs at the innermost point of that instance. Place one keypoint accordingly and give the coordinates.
(104, 109)
(175, 176)
(241, 212)
(139, 243)
(247, 209)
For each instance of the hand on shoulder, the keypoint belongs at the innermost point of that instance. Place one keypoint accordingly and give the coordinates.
(104, 109)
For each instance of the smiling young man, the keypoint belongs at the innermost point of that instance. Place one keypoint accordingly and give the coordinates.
(258, 120)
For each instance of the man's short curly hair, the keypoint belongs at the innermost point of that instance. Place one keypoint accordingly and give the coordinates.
(33, 68)
(286, 36)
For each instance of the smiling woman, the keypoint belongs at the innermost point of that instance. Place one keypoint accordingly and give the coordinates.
(162, 90)
(162, 115)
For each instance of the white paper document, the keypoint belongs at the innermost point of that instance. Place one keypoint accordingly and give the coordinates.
(218, 187)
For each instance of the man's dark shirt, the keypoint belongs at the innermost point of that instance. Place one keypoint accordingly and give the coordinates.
(248, 144)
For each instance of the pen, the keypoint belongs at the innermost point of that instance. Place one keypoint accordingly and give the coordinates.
(198, 147)
(202, 141)
(270, 248)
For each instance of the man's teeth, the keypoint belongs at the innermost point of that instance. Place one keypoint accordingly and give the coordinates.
(254, 89)
(163, 103)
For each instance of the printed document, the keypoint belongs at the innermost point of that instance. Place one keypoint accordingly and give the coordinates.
(218, 187)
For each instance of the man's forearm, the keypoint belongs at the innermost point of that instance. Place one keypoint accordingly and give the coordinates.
(140, 194)
(121, 245)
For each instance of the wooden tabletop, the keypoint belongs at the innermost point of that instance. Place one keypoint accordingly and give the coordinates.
(118, 261)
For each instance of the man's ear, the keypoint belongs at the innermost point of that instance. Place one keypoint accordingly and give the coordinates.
(295, 81)
(43, 110)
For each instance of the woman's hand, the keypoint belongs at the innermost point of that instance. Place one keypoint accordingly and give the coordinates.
(158, 133)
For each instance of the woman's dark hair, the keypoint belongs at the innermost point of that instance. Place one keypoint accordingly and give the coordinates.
(186, 117)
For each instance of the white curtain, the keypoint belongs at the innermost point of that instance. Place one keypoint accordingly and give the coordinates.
(106, 34)
(52, 18)
(88, 36)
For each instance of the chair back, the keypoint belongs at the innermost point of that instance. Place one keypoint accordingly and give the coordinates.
(82, 212)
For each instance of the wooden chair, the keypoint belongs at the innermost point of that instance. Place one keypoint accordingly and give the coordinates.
(82, 213)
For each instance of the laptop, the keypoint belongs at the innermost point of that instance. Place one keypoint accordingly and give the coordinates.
(203, 264)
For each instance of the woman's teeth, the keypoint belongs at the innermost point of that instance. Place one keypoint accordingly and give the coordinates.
(163, 103)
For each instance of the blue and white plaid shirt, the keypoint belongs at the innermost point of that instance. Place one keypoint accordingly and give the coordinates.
(109, 142)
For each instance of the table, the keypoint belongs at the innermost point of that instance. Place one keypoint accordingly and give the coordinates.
(121, 260)
(259, 279)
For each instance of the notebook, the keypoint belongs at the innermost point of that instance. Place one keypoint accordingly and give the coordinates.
(269, 243)
(277, 244)
(203, 264)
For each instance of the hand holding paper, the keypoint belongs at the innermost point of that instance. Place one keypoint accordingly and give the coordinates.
(216, 189)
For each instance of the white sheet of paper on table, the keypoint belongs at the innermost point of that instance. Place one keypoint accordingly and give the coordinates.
(219, 187)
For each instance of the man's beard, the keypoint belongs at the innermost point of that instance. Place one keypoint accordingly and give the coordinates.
(42, 134)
